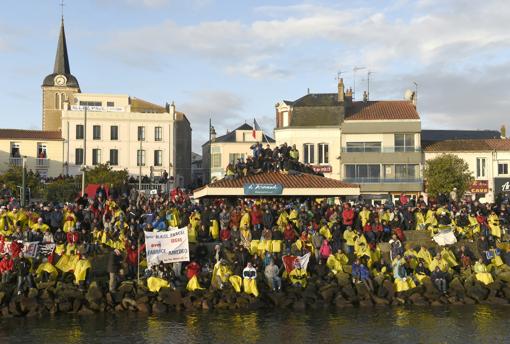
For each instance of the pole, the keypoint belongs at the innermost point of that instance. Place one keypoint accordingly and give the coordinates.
(23, 168)
(210, 149)
(368, 85)
(84, 151)
(140, 166)
(138, 259)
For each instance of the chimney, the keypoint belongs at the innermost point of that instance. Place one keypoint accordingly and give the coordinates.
(341, 95)
(365, 96)
(503, 132)
(348, 97)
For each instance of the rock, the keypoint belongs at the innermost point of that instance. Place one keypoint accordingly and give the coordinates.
(328, 293)
(206, 306)
(362, 291)
(13, 308)
(380, 301)
(504, 276)
(28, 304)
(477, 292)
(418, 300)
(390, 290)
(2, 296)
(128, 302)
(6, 313)
(94, 293)
(299, 305)
(119, 308)
(86, 311)
(143, 307)
(492, 300)
(76, 305)
(126, 287)
(457, 288)
(343, 279)
(366, 303)
(172, 297)
(469, 301)
(65, 306)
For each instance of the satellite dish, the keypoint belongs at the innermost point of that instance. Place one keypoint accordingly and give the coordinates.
(409, 95)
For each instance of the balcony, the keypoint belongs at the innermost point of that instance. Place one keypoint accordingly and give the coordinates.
(18, 162)
(42, 163)
(382, 150)
(383, 180)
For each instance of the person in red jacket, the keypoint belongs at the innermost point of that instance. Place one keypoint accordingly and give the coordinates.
(6, 266)
(225, 234)
(72, 236)
(256, 218)
(347, 215)
(16, 248)
(132, 259)
(289, 235)
(193, 269)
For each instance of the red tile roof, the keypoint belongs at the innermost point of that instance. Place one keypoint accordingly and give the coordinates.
(469, 145)
(288, 181)
(21, 134)
(381, 110)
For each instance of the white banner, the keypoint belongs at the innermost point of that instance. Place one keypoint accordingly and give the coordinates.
(29, 248)
(168, 247)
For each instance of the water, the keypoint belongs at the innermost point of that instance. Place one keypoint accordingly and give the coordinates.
(463, 324)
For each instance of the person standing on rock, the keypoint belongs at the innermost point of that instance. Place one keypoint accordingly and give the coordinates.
(272, 276)
(113, 268)
(22, 268)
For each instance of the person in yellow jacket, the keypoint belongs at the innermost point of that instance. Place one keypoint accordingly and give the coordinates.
(474, 226)
(245, 220)
(282, 219)
(172, 217)
(154, 284)
(481, 272)
(349, 237)
(438, 261)
(220, 274)
(325, 232)
(424, 255)
(82, 272)
(46, 271)
(419, 219)
(494, 225)
(411, 256)
(214, 229)
(449, 257)
(194, 224)
(431, 221)
(294, 217)
(6, 223)
(250, 280)
(298, 276)
(361, 246)
(40, 226)
(334, 264)
(18, 216)
(364, 216)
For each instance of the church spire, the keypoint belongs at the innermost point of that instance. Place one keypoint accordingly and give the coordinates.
(61, 59)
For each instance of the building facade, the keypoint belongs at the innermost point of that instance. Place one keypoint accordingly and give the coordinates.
(375, 144)
(123, 131)
(225, 149)
(488, 161)
(43, 151)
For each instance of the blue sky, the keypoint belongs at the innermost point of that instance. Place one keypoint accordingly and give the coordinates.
(233, 60)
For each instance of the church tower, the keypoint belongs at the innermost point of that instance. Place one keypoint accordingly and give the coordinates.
(58, 87)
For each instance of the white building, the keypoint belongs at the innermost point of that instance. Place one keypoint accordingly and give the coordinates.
(488, 161)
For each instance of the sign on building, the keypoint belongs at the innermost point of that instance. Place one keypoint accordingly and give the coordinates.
(501, 185)
(322, 168)
(254, 189)
(479, 186)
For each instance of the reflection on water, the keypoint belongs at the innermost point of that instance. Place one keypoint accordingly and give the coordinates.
(378, 325)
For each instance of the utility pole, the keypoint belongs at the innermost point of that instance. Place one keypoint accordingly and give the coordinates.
(84, 165)
(23, 169)
(140, 165)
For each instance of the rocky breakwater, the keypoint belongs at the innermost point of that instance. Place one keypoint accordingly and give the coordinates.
(335, 291)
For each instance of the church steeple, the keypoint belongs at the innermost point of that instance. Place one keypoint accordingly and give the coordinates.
(61, 59)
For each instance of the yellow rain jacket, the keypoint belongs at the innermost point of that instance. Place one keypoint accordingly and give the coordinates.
(155, 284)
(193, 284)
(482, 274)
(298, 275)
(49, 268)
(250, 286)
(493, 221)
(80, 270)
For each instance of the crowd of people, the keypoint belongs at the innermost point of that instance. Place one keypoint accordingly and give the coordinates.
(248, 244)
(284, 158)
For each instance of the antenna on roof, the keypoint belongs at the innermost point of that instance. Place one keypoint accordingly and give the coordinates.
(368, 83)
(354, 70)
(415, 94)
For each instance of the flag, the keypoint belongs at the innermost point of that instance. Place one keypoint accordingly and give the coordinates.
(291, 261)
(255, 128)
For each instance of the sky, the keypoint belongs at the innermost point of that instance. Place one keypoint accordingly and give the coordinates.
(232, 60)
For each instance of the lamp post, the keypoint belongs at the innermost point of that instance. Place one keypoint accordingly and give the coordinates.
(140, 164)
(23, 169)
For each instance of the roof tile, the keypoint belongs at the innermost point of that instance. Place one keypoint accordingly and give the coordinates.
(382, 110)
(30, 134)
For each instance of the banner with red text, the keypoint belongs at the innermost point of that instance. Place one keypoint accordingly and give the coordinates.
(170, 246)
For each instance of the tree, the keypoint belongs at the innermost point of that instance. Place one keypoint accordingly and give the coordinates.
(63, 190)
(446, 172)
(104, 174)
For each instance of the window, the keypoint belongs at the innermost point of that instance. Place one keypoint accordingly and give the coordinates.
(286, 119)
(323, 153)
(114, 157)
(216, 160)
(90, 103)
(96, 132)
(15, 152)
(57, 101)
(141, 133)
(404, 142)
(158, 133)
(502, 169)
(308, 153)
(41, 151)
(363, 147)
(480, 167)
(79, 132)
(78, 156)
(406, 171)
(114, 132)
(363, 172)
(158, 158)
(232, 157)
(96, 156)
(140, 157)
(110, 104)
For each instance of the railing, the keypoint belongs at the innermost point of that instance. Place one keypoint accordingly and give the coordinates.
(383, 180)
(383, 150)
(161, 187)
(15, 161)
(42, 162)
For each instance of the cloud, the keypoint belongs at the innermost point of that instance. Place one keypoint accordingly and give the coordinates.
(225, 108)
